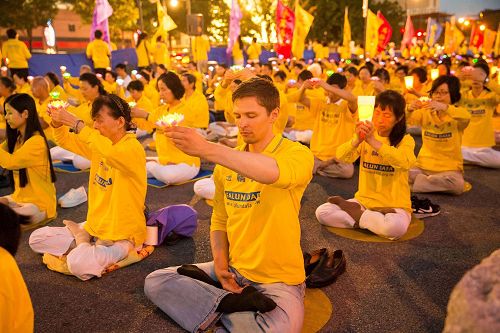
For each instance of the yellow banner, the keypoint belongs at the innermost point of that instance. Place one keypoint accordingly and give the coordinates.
(303, 22)
(372, 25)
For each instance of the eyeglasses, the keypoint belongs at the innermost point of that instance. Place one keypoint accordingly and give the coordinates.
(440, 93)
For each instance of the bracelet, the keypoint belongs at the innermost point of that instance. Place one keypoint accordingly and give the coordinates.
(147, 117)
(75, 128)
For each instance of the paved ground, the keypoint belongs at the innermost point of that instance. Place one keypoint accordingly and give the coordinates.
(388, 287)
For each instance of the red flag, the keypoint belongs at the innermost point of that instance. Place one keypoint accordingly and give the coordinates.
(285, 22)
(476, 36)
(384, 33)
(408, 35)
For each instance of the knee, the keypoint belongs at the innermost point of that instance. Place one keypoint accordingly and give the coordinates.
(155, 280)
(324, 211)
(37, 239)
(347, 171)
(394, 227)
(205, 188)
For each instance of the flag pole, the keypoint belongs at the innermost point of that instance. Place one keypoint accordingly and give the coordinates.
(365, 16)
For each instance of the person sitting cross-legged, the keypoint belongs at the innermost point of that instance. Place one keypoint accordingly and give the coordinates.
(382, 203)
(115, 222)
(256, 281)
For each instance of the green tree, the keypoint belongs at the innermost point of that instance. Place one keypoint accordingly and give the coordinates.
(26, 14)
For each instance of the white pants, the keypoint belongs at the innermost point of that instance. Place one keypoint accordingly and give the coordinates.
(205, 188)
(173, 173)
(392, 225)
(486, 157)
(84, 261)
(302, 136)
(424, 181)
(61, 154)
(27, 209)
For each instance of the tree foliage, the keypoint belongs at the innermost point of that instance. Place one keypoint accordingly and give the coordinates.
(26, 14)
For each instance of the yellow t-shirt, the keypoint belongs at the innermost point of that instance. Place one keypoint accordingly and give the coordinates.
(261, 221)
(168, 153)
(223, 96)
(16, 310)
(143, 103)
(83, 112)
(199, 80)
(383, 174)
(254, 51)
(304, 119)
(160, 53)
(197, 110)
(152, 94)
(33, 156)
(237, 51)
(363, 90)
(334, 124)
(143, 54)
(17, 52)
(25, 89)
(480, 132)
(98, 51)
(117, 183)
(441, 139)
(201, 47)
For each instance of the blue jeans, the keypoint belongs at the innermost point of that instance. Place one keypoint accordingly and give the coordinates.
(193, 304)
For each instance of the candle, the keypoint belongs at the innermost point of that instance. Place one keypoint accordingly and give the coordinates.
(132, 104)
(134, 72)
(30, 78)
(170, 119)
(66, 75)
(424, 99)
(366, 105)
(409, 82)
(63, 68)
(434, 74)
(119, 81)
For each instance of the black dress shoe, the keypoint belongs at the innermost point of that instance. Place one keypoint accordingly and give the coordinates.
(327, 271)
(312, 259)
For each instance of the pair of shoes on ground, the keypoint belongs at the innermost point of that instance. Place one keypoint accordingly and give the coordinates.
(322, 267)
(423, 207)
(73, 197)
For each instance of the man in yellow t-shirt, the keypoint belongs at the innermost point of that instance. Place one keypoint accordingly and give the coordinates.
(201, 48)
(335, 120)
(98, 50)
(254, 51)
(16, 54)
(16, 310)
(117, 191)
(255, 231)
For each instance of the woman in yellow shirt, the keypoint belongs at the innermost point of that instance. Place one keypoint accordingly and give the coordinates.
(7, 88)
(364, 86)
(143, 50)
(138, 100)
(238, 52)
(479, 137)
(439, 166)
(173, 166)
(115, 222)
(16, 310)
(196, 103)
(382, 203)
(25, 154)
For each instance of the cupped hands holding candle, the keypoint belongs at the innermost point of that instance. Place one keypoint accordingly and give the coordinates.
(171, 119)
(60, 116)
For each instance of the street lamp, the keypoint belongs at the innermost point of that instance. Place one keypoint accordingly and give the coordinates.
(482, 27)
(174, 3)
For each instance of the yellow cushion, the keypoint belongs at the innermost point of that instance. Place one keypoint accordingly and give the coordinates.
(317, 310)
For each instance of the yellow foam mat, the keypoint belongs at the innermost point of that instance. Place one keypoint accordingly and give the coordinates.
(317, 310)
(58, 264)
(415, 229)
(209, 202)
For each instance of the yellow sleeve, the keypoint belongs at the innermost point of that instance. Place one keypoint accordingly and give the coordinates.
(400, 157)
(220, 94)
(89, 50)
(117, 156)
(26, 52)
(347, 153)
(415, 117)
(29, 154)
(219, 215)
(71, 142)
(493, 85)
(295, 167)
(294, 97)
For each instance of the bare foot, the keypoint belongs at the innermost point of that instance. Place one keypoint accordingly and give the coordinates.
(4, 201)
(80, 234)
(352, 208)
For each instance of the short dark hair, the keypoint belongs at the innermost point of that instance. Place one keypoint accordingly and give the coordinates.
(135, 85)
(113, 74)
(98, 34)
(483, 65)
(117, 106)
(263, 90)
(22, 74)
(172, 81)
(145, 75)
(281, 74)
(337, 79)
(11, 33)
(298, 65)
(421, 73)
(53, 77)
(305, 75)
(453, 87)
(10, 229)
(383, 75)
(121, 66)
(403, 68)
(268, 65)
(8, 83)
(365, 67)
(92, 79)
(352, 70)
(191, 78)
(396, 102)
